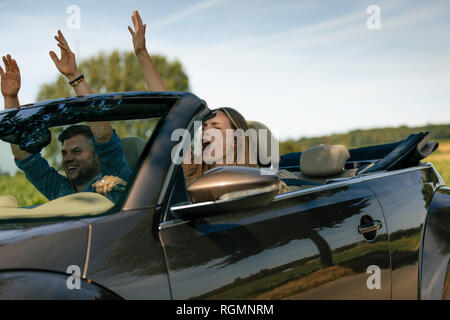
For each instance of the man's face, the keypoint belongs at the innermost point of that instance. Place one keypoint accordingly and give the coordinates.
(79, 160)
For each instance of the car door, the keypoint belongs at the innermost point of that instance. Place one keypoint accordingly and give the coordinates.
(405, 196)
(303, 245)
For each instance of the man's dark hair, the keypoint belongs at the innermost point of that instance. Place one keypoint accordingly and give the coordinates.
(75, 130)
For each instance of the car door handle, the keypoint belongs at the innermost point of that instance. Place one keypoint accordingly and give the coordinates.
(369, 227)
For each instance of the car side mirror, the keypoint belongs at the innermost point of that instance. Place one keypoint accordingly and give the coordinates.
(226, 189)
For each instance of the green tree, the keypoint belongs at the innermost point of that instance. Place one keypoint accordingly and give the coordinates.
(114, 72)
(361, 138)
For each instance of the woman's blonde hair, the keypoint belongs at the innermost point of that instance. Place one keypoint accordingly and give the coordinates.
(237, 121)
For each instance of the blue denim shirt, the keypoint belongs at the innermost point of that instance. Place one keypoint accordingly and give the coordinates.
(54, 185)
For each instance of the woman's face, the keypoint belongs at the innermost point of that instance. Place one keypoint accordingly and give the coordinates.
(216, 128)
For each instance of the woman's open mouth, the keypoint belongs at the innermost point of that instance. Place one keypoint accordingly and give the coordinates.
(206, 144)
(206, 141)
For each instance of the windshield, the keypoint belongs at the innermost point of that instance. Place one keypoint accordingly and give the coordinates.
(74, 167)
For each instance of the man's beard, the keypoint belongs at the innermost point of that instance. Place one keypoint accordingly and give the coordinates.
(84, 176)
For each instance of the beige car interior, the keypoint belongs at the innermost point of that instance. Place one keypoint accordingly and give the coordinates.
(267, 145)
(323, 162)
(317, 164)
(73, 205)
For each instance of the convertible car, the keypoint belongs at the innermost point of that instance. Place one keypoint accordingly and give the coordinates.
(366, 223)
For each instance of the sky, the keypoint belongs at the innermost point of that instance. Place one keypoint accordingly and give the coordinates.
(303, 68)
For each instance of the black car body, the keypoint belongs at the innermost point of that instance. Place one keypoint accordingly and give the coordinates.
(305, 244)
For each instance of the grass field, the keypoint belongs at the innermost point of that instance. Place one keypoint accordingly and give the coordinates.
(18, 186)
(441, 160)
(27, 195)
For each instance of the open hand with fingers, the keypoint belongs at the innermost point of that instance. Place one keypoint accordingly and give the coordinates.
(138, 34)
(151, 74)
(66, 64)
(10, 77)
(107, 184)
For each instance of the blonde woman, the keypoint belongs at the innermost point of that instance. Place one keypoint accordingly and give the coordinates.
(221, 120)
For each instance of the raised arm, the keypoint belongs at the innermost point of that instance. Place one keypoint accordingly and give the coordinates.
(10, 78)
(151, 74)
(68, 67)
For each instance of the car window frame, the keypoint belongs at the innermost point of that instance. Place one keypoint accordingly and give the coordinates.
(48, 108)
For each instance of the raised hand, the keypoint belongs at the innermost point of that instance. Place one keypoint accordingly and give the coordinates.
(10, 78)
(138, 34)
(67, 64)
(151, 74)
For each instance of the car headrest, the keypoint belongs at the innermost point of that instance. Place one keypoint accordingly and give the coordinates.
(324, 160)
(132, 149)
(266, 147)
(8, 201)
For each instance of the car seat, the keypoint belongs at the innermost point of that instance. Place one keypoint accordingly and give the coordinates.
(322, 163)
(264, 147)
(132, 149)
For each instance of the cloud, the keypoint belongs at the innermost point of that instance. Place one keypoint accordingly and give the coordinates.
(4, 3)
(198, 7)
(348, 26)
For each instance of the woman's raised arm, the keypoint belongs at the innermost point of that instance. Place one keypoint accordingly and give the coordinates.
(151, 74)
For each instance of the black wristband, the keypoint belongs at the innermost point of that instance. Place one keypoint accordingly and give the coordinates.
(77, 81)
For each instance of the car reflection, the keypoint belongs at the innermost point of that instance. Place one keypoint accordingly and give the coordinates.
(296, 244)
